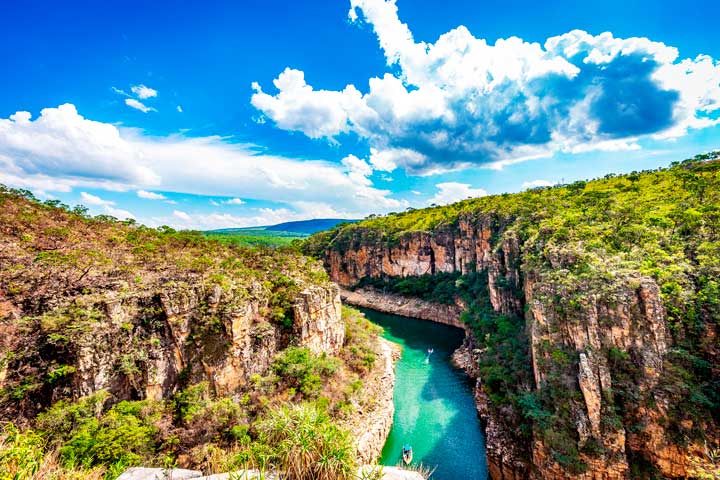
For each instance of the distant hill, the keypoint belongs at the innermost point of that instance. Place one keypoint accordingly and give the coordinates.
(309, 227)
(301, 228)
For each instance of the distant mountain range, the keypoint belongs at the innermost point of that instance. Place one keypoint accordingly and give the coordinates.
(301, 227)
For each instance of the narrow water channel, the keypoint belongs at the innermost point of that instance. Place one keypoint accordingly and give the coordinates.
(434, 408)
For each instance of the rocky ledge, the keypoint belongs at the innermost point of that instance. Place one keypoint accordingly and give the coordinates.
(141, 473)
(371, 426)
(404, 306)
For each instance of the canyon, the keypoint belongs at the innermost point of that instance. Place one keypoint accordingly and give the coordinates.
(620, 315)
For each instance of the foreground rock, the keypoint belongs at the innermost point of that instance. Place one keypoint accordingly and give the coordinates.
(371, 427)
(140, 473)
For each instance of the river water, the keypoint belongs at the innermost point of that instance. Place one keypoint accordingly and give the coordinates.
(434, 407)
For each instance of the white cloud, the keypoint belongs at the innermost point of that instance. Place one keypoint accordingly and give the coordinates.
(94, 200)
(108, 206)
(119, 213)
(120, 91)
(179, 109)
(233, 201)
(358, 170)
(462, 100)
(138, 105)
(72, 150)
(538, 183)
(388, 159)
(60, 150)
(142, 92)
(181, 215)
(252, 217)
(317, 113)
(150, 195)
(450, 192)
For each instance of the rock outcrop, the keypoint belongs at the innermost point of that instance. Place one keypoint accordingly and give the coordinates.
(140, 473)
(316, 319)
(371, 427)
(142, 343)
(404, 306)
(622, 314)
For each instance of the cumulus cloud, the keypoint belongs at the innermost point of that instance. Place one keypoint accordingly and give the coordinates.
(150, 195)
(142, 92)
(62, 145)
(181, 215)
(94, 200)
(234, 201)
(450, 192)
(60, 150)
(464, 101)
(537, 183)
(119, 213)
(108, 206)
(252, 217)
(358, 170)
(138, 105)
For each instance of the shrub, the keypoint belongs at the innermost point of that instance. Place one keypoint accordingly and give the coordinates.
(299, 368)
(307, 444)
(360, 340)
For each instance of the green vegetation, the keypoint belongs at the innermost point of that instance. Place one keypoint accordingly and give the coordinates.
(302, 370)
(78, 289)
(98, 437)
(256, 237)
(359, 352)
(438, 288)
(585, 242)
(307, 445)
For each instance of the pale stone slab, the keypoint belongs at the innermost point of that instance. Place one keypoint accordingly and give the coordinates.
(142, 473)
(242, 475)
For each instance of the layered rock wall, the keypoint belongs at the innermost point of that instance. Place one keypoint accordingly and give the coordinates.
(146, 343)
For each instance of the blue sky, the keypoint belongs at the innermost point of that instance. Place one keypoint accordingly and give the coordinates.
(220, 114)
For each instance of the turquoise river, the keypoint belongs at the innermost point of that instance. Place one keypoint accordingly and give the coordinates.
(434, 407)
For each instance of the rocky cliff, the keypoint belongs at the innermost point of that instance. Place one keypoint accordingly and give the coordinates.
(608, 329)
(124, 345)
(242, 342)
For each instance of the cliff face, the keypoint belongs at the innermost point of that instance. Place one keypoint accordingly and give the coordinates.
(139, 346)
(574, 344)
(172, 347)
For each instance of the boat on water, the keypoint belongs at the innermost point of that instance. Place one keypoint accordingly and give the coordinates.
(427, 357)
(407, 454)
